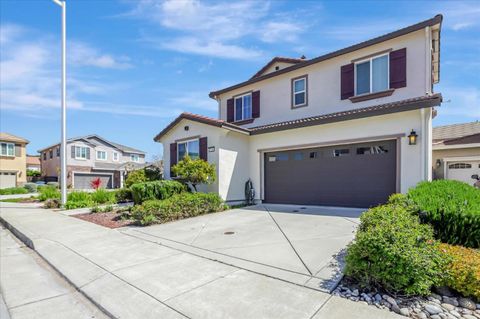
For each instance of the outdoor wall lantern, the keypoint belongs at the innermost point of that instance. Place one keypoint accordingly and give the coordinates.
(438, 162)
(211, 149)
(412, 138)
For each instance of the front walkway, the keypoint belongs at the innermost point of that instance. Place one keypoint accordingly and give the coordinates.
(130, 277)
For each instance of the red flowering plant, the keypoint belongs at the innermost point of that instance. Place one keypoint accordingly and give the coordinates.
(96, 183)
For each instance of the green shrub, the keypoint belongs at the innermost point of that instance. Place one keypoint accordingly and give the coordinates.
(13, 191)
(30, 187)
(178, 206)
(123, 195)
(102, 196)
(194, 171)
(78, 204)
(392, 249)
(452, 208)
(31, 172)
(53, 184)
(463, 271)
(79, 196)
(48, 192)
(106, 209)
(155, 190)
(135, 177)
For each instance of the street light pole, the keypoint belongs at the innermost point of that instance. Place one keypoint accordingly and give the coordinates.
(63, 143)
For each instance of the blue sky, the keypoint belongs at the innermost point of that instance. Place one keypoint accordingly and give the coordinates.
(135, 65)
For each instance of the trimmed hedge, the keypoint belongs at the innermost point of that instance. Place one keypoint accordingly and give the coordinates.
(452, 208)
(156, 190)
(177, 207)
(13, 191)
(392, 249)
(123, 195)
(463, 271)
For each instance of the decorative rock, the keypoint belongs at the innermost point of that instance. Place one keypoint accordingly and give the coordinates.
(443, 315)
(469, 317)
(467, 303)
(405, 312)
(395, 308)
(465, 311)
(451, 301)
(391, 301)
(448, 306)
(444, 291)
(378, 297)
(435, 317)
(478, 306)
(455, 314)
(432, 309)
(422, 315)
(435, 296)
(355, 293)
(386, 304)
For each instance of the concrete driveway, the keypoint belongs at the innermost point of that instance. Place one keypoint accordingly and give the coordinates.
(300, 244)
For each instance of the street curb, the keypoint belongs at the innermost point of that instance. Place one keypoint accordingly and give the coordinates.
(30, 244)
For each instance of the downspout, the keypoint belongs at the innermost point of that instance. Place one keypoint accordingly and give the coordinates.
(423, 158)
(427, 113)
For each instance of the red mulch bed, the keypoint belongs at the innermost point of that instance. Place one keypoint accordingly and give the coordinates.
(110, 219)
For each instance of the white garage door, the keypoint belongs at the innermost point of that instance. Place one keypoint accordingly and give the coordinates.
(463, 171)
(84, 180)
(8, 179)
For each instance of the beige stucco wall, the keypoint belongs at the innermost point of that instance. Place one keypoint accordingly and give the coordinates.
(17, 164)
(50, 166)
(324, 84)
(438, 171)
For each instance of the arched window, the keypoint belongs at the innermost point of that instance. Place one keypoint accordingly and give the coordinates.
(459, 166)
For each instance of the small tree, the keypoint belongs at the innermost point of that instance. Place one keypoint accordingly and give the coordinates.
(134, 177)
(194, 171)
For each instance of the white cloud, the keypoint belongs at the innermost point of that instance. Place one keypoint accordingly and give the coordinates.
(209, 29)
(30, 74)
(460, 15)
(195, 100)
(82, 54)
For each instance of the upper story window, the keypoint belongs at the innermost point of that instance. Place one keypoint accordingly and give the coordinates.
(7, 149)
(50, 154)
(134, 157)
(243, 107)
(372, 75)
(190, 148)
(115, 156)
(58, 151)
(101, 155)
(81, 152)
(299, 91)
(44, 156)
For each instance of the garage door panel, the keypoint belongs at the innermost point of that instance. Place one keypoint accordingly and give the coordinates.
(8, 179)
(83, 180)
(358, 175)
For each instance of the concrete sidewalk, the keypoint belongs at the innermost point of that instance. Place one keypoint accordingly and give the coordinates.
(130, 277)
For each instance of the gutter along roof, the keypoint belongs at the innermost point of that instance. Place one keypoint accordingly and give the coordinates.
(415, 27)
(376, 110)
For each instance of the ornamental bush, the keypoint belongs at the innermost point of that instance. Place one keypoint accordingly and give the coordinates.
(102, 196)
(177, 207)
(123, 195)
(135, 177)
(13, 190)
(155, 190)
(393, 250)
(452, 208)
(194, 171)
(463, 271)
(48, 192)
(30, 187)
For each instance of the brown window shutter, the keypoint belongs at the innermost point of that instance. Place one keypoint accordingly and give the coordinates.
(347, 82)
(230, 111)
(173, 156)
(73, 151)
(88, 153)
(398, 68)
(203, 149)
(256, 104)
(18, 150)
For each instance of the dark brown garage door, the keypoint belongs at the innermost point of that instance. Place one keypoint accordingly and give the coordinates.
(83, 180)
(356, 175)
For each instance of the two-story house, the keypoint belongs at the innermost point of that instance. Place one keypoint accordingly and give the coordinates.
(13, 160)
(91, 157)
(347, 128)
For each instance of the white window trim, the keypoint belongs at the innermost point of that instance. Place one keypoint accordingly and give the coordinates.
(79, 157)
(303, 91)
(186, 146)
(371, 69)
(113, 156)
(243, 109)
(7, 146)
(101, 159)
(137, 156)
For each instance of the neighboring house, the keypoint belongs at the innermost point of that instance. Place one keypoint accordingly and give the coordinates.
(456, 151)
(333, 130)
(13, 160)
(90, 157)
(33, 163)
